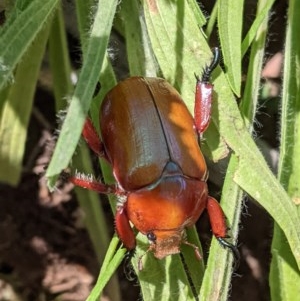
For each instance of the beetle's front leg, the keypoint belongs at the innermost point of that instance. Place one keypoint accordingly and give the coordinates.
(123, 228)
(203, 96)
(218, 225)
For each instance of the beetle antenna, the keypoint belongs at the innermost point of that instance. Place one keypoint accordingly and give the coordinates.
(233, 249)
(140, 263)
(209, 69)
(188, 274)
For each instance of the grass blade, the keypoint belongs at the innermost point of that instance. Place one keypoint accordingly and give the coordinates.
(139, 52)
(260, 18)
(81, 100)
(230, 24)
(111, 262)
(19, 32)
(16, 111)
(59, 61)
(285, 274)
(221, 269)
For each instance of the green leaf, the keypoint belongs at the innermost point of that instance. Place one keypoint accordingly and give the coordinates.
(59, 61)
(84, 18)
(19, 31)
(81, 100)
(16, 110)
(285, 274)
(230, 24)
(111, 262)
(260, 18)
(249, 102)
(221, 269)
(139, 51)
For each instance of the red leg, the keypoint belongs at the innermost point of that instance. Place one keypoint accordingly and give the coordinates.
(216, 217)
(90, 183)
(122, 224)
(219, 228)
(203, 96)
(124, 229)
(92, 138)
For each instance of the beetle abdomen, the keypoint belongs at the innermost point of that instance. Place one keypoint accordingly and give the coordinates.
(145, 125)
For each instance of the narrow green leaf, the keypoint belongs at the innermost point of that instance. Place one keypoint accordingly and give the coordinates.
(17, 110)
(17, 35)
(230, 24)
(221, 269)
(260, 18)
(289, 172)
(199, 16)
(212, 21)
(285, 274)
(249, 103)
(81, 100)
(84, 10)
(59, 61)
(111, 262)
(139, 52)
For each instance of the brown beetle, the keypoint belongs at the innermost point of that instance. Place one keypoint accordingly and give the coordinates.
(151, 141)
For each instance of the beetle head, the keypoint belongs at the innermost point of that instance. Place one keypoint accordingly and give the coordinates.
(164, 243)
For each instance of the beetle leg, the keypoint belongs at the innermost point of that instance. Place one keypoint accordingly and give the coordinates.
(92, 138)
(203, 96)
(124, 229)
(89, 183)
(216, 217)
(218, 225)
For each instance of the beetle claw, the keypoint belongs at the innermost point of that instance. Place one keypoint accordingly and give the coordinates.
(197, 77)
(233, 249)
(64, 176)
(127, 267)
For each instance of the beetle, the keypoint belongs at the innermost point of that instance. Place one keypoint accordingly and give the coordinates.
(151, 141)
